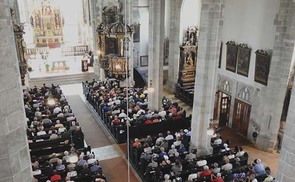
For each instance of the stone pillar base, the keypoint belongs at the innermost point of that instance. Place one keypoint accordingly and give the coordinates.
(204, 147)
(124, 83)
(265, 143)
(96, 67)
(101, 74)
(170, 85)
(202, 151)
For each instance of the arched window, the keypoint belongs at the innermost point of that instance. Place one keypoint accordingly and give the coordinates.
(226, 86)
(244, 94)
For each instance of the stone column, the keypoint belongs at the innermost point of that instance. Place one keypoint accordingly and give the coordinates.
(128, 19)
(127, 10)
(272, 96)
(136, 45)
(175, 8)
(208, 55)
(156, 54)
(286, 164)
(94, 7)
(15, 165)
(282, 57)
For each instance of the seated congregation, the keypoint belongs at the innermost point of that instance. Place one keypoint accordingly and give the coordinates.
(110, 102)
(56, 140)
(160, 146)
(169, 157)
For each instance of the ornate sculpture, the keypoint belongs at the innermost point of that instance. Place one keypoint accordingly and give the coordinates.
(190, 37)
(20, 47)
(47, 23)
(109, 14)
(188, 58)
(113, 41)
(187, 66)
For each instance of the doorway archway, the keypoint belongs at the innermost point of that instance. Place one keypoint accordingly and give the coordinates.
(222, 108)
(241, 117)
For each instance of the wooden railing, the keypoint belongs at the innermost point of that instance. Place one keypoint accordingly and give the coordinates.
(32, 52)
(79, 50)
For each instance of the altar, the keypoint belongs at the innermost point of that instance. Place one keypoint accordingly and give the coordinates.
(57, 66)
(47, 23)
(54, 63)
(184, 88)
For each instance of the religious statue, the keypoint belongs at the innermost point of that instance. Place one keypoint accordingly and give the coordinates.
(38, 20)
(190, 37)
(187, 34)
(47, 10)
(57, 18)
(193, 38)
(189, 61)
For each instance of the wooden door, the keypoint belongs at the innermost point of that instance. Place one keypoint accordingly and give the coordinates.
(241, 117)
(224, 110)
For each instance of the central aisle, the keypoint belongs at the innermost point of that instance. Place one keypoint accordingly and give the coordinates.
(110, 157)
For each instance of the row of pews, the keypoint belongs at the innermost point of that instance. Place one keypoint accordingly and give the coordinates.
(54, 134)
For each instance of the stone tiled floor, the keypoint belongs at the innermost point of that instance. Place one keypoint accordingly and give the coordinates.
(95, 136)
(268, 159)
(116, 170)
(112, 158)
(107, 152)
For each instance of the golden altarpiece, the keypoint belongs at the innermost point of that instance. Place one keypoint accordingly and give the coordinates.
(112, 42)
(20, 45)
(187, 66)
(47, 23)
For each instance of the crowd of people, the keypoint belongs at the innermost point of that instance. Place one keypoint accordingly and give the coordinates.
(109, 97)
(118, 106)
(56, 139)
(169, 157)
